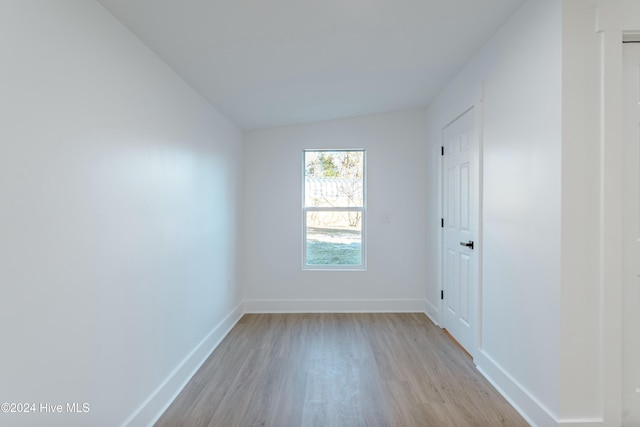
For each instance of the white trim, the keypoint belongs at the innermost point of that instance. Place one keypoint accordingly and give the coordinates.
(340, 209)
(433, 312)
(617, 20)
(534, 412)
(581, 422)
(479, 190)
(336, 306)
(611, 228)
(157, 403)
(439, 315)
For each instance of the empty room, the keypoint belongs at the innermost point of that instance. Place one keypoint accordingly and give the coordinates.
(320, 213)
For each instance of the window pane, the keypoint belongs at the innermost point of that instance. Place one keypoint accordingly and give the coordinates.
(334, 238)
(334, 178)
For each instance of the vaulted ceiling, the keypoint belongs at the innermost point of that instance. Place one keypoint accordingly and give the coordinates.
(267, 63)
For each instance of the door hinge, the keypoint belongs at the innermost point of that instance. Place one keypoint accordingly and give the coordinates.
(442, 294)
(442, 150)
(442, 222)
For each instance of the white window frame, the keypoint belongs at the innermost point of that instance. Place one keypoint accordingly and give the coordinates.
(362, 210)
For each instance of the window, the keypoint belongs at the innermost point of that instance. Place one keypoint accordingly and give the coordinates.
(333, 212)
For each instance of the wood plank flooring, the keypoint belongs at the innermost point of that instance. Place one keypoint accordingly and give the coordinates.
(282, 370)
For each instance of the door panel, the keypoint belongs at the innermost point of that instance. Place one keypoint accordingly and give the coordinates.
(460, 269)
(451, 214)
(464, 197)
(631, 239)
(465, 290)
(452, 276)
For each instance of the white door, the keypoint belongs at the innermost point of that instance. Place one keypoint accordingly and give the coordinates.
(631, 239)
(460, 245)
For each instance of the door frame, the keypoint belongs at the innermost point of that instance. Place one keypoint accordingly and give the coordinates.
(630, 272)
(617, 20)
(476, 295)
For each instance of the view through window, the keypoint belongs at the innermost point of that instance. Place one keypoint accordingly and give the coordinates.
(334, 209)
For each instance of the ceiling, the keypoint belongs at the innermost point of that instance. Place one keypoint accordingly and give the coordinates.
(268, 63)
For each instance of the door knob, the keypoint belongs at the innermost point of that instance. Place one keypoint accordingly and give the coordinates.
(468, 244)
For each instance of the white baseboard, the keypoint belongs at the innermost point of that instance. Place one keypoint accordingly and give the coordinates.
(590, 422)
(528, 406)
(432, 312)
(334, 306)
(151, 410)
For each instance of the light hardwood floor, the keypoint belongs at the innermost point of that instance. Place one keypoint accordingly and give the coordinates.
(282, 370)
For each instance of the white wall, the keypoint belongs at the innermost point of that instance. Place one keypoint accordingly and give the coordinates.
(118, 218)
(396, 177)
(521, 275)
